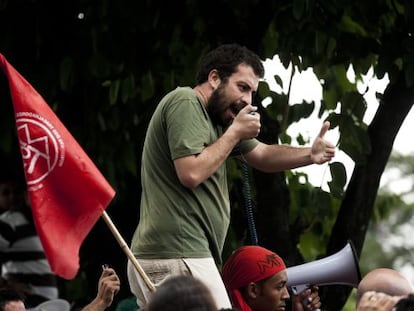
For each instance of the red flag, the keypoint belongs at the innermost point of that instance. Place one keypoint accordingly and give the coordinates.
(67, 192)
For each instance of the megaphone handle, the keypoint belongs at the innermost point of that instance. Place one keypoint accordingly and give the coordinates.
(300, 288)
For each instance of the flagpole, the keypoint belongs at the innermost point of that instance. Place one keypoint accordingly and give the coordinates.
(127, 251)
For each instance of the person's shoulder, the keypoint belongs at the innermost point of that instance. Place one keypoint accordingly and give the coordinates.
(174, 99)
(183, 92)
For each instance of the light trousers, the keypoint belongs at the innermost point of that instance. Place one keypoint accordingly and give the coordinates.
(157, 270)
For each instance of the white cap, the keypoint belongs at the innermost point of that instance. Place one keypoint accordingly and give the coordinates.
(52, 305)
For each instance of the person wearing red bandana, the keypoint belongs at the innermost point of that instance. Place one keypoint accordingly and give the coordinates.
(256, 279)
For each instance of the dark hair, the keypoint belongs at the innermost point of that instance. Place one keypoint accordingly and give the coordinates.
(182, 293)
(225, 60)
(405, 304)
(7, 295)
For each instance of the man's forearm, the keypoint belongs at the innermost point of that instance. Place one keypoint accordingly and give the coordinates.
(276, 158)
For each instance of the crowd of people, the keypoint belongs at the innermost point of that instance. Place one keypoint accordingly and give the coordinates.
(185, 211)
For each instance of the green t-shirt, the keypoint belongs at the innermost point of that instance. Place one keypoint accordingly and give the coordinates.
(177, 222)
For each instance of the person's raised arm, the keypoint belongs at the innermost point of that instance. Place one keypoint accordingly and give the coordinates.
(108, 287)
(275, 158)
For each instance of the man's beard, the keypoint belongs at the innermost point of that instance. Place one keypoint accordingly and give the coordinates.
(215, 107)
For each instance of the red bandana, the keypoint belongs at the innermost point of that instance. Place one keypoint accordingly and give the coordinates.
(249, 264)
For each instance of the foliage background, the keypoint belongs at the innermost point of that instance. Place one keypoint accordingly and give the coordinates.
(104, 65)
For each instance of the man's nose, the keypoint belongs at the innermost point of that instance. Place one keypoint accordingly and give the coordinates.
(246, 99)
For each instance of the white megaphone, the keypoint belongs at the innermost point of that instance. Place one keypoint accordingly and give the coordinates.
(340, 268)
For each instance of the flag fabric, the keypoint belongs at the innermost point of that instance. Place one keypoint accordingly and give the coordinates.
(67, 192)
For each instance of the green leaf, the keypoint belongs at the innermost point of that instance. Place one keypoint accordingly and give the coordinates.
(334, 119)
(129, 158)
(353, 103)
(298, 8)
(349, 25)
(300, 111)
(278, 80)
(67, 75)
(363, 65)
(114, 91)
(331, 47)
(310, 245)
(341, 79)
(128, 88)
(101, 122)
(339, 178)
(147, 86)
(354, 140)
(330, 97)
(277, 108)
(106, 83)
(99, 66)
(409, 70)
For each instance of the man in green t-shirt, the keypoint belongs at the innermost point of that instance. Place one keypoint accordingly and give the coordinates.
(185, 210)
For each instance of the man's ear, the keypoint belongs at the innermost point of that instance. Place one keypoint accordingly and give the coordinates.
(214, 79)
(252, 290)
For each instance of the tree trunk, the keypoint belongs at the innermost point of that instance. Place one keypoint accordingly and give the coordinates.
(357, 207)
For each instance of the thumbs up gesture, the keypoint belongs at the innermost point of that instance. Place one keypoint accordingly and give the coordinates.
(322, 151)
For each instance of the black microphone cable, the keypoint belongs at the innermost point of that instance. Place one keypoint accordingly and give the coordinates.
(247, 194)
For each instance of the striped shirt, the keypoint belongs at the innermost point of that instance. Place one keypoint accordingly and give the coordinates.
(22, 256)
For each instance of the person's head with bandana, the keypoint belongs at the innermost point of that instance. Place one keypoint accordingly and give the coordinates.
(256, 279)
(254, 276)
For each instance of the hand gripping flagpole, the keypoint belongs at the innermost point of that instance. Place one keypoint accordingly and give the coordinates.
(127, 251)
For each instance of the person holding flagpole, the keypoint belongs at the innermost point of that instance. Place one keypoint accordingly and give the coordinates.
(185, 209)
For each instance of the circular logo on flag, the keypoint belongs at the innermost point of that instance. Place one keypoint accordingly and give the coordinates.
(41, 146)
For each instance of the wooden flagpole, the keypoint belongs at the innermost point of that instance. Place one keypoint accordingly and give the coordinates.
(127, 251)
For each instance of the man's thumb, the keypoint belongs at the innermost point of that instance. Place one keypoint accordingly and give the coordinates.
(324, 129)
